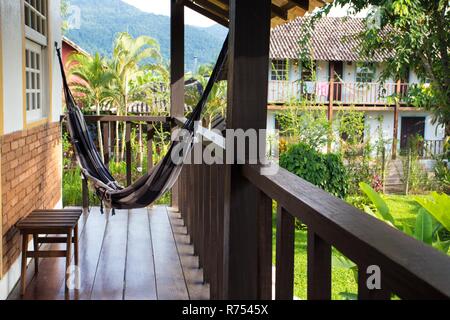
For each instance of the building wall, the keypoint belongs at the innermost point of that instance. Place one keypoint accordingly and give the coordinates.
(30, 152)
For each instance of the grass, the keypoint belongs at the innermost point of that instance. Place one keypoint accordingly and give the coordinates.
(343, 280)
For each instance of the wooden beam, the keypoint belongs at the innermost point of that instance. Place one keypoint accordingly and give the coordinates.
(247, 109)
(303, 4)
(279, 12)
(220, 20)
(214, 9)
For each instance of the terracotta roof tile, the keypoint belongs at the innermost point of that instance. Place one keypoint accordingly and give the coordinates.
(333, 39)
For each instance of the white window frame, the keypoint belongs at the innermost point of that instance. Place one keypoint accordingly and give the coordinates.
(36, 21)
(279, 70)
(34, 67)
(36, 75)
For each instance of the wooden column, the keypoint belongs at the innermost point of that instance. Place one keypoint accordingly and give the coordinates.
(247, 109)
(396, 112)
(176, 70)
(330, 105)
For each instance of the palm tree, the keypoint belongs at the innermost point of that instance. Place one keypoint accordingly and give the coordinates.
(217, 102)
(128, 56)
(93, 80)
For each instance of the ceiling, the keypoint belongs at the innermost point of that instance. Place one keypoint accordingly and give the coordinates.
(282, 10)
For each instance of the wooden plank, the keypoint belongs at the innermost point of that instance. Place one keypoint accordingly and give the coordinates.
(264, 247)
(109, 279)
(206, 209)
(197, 289)
(46, 254)
(110, 118)
(170, 282)
(247, 109)
(91, 241)
(284, 282)
(220, 230)
(214, 246)
(357, 236)
(139, 272)
(319, 267)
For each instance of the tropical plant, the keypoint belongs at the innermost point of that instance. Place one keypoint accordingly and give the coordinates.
(217, 99)
(432, 217)
(90, 79)
(306, 124)
(323, 170)
(128, 56)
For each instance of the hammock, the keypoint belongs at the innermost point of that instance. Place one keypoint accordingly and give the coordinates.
(157, 181)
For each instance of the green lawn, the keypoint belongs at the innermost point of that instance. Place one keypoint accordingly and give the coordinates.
(343, 280)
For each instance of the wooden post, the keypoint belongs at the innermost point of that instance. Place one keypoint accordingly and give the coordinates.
(106, 141)
(85, 193)
(247, 109)
(284, 284)
(150, 133)
(176, 70)
(330, 107)
(319, 267)
(128, 152)
(396, 112)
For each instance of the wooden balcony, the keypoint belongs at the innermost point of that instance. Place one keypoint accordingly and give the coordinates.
(342, 94)
(135, 255)
(218, 244)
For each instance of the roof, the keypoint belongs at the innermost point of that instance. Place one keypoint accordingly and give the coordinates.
(75, 46)
(333, 39)
(282, 10)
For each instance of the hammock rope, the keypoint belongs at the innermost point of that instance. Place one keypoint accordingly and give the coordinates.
(151, 186)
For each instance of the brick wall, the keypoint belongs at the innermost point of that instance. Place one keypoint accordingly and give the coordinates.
(31, 179)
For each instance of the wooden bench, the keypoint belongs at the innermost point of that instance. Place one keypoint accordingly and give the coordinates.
(63, 223)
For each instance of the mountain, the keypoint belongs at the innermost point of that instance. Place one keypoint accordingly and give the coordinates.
(101, 20)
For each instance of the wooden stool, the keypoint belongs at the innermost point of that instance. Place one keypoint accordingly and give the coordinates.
(48, 222)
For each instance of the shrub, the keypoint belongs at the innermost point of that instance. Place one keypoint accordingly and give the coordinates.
(323, 170)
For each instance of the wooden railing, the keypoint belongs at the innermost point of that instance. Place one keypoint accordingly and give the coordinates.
(343, 93)
(408, 268)
(430, 149)
(144, 129)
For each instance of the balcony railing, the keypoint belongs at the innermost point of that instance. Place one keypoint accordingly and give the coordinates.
(409, 268)
(341, 93)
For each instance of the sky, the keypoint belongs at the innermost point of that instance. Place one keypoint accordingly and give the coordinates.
(162, 7)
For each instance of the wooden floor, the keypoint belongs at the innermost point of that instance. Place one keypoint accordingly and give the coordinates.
(139, 254)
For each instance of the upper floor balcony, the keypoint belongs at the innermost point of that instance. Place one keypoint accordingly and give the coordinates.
(341, 93)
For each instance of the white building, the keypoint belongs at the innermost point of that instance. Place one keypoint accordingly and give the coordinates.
(30, 110)
(337, 77)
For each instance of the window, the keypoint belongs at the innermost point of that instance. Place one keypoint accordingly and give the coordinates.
(35, 58)
(365, 72)
(33, 71)
(279, 70)
(36, 20)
